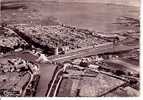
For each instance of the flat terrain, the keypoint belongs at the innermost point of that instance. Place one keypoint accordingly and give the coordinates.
(123, 92)
(99, 85)
(88, 86)
(65, 88)
(94, 16)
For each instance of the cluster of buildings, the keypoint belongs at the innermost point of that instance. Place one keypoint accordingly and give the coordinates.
(15, 76)
(9, 40)
(17, 65)
(58, 39)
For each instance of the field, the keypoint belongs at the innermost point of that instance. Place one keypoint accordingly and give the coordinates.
(123, 92)
(65, 88)
(88, 86)
(99, 85)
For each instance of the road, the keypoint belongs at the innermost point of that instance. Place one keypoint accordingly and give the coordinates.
(53, 82)
(57, 86)
(31, 78)
(92, 50)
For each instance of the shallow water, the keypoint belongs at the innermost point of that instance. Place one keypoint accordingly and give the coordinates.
(93, 16)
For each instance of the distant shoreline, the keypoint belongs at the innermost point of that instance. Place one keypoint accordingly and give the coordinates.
(134, 3)
(101, 3)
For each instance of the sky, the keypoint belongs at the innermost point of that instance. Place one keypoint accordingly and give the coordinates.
(122, 2)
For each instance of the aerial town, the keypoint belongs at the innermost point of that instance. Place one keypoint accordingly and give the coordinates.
(62, 60)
